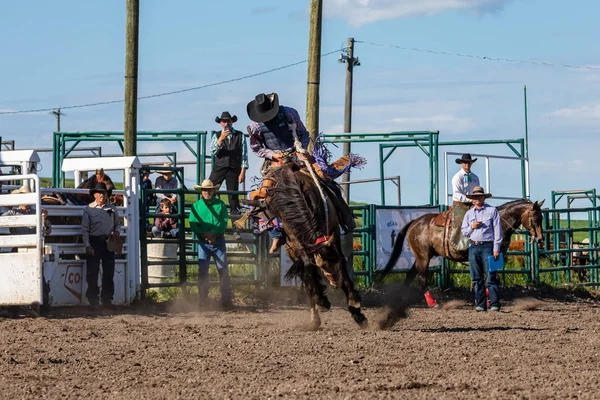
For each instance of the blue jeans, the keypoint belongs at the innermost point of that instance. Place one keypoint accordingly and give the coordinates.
(478, 267)
(218, 252)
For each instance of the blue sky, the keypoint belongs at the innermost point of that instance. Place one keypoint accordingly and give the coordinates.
(72, 52)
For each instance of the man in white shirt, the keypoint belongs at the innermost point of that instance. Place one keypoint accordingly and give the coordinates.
(463, 183)
(464, 180)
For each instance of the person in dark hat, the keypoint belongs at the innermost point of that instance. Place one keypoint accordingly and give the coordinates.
(272, 138)
(463, 183)
(483, 228)
(100, 220)
(230, 160)
(270, 132)
(464, 180)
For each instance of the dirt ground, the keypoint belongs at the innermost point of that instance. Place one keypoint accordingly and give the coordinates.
(533, 348)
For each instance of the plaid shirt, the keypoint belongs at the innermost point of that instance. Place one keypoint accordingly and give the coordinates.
(265, 149)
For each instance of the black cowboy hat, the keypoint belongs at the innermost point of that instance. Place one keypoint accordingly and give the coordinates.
(262, 108)
(225, 116)
(100, 187)
(465, 158)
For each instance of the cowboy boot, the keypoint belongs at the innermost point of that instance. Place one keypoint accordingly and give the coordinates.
(457, 240)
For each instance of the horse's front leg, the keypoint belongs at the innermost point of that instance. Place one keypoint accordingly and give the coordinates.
(422, 270)
(315, 291)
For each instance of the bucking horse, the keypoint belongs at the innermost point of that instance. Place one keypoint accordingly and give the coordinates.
(312, 225)
(428, 238)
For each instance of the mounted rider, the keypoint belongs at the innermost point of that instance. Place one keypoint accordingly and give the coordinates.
(278, 135)
(463, 183)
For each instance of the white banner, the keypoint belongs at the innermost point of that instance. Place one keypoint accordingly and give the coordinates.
(389, 222)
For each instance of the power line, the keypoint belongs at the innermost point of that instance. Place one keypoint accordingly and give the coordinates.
(102, 103)
(446, 53)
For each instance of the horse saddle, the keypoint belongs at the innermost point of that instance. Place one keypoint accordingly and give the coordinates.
(442, 218)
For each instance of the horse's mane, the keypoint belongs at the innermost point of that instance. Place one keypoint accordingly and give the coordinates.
(514, 203)
(289, 204)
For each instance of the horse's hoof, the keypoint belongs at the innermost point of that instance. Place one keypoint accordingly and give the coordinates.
(361, 320)
(355, 304)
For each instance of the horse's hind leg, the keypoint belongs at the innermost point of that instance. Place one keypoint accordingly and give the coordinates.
(352, 296)
(422, 271)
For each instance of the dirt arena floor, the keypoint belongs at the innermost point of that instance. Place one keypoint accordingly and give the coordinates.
(537, 349)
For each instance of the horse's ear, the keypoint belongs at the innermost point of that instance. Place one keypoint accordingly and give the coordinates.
(538, 205)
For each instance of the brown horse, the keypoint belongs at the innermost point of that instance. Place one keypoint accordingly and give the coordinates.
(312, 237)
(426, 240)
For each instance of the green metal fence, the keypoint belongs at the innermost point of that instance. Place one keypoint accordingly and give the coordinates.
(65, 142)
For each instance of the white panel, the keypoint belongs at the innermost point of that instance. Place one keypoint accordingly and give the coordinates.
(108, 163)
(20, 278)
(18, 221)
(390, 222)
(16, 199)
(19, 241)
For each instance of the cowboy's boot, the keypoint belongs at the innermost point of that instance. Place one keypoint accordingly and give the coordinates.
(458, 241)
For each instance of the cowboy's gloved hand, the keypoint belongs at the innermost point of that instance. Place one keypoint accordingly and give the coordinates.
(89, 251)
(116, 234)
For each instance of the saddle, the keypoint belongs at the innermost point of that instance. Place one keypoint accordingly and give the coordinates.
(451, 221)
(442, 218)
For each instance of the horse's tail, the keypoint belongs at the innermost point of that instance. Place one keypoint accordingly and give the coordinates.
(295, 271)
(396, 251)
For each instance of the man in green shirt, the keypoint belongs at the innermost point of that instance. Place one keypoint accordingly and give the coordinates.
(208, 220)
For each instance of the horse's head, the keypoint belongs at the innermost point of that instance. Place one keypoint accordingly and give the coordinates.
(532, 220)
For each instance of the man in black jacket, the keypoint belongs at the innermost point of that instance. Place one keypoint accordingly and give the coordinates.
(230, 153)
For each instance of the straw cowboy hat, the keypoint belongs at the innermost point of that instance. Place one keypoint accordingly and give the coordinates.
(22, 189)
(100, 188)
(225, 116)
(165, 171)
(478, 192)
(262, 108)
(465, 158)
(206, 184)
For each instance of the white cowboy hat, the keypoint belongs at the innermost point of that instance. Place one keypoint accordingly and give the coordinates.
(164, 171)
(206, 184)
(22, 189)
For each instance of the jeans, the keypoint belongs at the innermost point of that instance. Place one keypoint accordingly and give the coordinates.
(275, 233)
(218, 252)
(230, 175)
(156, 232)
(101, 253)
(478, 267)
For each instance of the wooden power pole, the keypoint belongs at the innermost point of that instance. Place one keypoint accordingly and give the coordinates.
(131, 77)
(350, 62)
(57, 113)
(314, 68)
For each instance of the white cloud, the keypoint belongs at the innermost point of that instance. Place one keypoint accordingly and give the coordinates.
(581, 114)
(361, 12)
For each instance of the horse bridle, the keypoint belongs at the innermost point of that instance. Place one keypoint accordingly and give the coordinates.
(530, 228)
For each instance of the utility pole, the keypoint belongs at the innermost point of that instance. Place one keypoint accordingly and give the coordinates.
(131, 77)
(350, 62)
(57, 113)
(314, 68)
